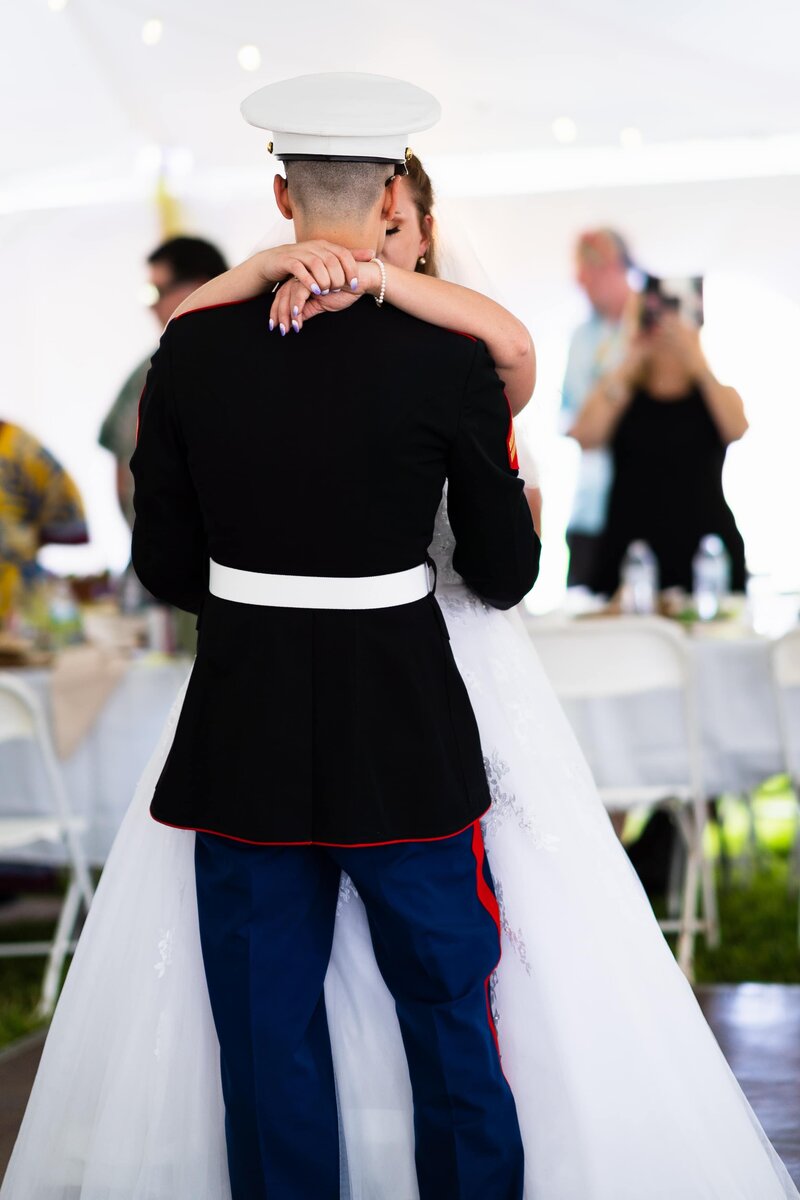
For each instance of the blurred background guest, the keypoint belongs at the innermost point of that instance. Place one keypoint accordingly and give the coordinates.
(667, 421)
(39, 505)
(176, 269)
(596, 348)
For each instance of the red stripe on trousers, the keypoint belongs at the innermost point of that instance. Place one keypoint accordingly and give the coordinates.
(489, 902)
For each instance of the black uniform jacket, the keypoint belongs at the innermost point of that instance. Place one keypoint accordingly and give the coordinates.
(324, 453)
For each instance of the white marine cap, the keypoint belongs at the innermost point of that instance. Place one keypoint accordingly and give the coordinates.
(341, 115)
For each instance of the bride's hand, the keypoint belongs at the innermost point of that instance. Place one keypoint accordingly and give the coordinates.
(319, 265)
(294, 302)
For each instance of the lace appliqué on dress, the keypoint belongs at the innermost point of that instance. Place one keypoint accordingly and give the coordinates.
(458, 602)
(505, 805)
(165, 940)
(443, 545)
(514, 937)
(347, 892)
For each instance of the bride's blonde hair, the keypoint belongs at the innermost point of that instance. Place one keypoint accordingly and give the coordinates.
(422, 192)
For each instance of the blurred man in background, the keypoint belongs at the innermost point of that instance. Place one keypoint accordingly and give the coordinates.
(176, 268)
(597, 347)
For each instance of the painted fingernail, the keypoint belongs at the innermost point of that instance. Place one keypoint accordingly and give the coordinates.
(271, 324)
(337, 289)
(354, 285)
(283, 330)
(325, 292)
(296, 326)
(315, 289)
(295, 311)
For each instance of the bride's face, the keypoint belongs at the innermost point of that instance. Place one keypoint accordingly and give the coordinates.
(406, 239)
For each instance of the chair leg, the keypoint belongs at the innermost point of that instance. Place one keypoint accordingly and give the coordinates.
(794, 858)
(80, 868)
(58, 951)
(707, 882)
(710, 910)
(691, 881)
(752, 854)
(688, 918)
(676, 871)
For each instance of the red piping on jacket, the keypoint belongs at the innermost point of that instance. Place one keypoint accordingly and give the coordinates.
(207, 307)
(442, 837)
(511, 440)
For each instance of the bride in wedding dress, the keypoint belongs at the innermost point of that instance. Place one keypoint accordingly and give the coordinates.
(621, 1090)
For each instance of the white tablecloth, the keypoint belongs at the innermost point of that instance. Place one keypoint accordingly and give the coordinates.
(102, 773)
(636, 740)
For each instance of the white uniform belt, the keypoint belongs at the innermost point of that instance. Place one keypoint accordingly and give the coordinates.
(316, 591)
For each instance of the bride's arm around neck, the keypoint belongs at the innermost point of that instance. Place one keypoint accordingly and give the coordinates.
(430, 299)
(454, 307)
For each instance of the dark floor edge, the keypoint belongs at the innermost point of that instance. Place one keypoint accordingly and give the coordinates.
(22, 1044)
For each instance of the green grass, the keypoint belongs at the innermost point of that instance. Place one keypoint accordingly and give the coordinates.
(758, 919)
(20, 983)
(758, 909)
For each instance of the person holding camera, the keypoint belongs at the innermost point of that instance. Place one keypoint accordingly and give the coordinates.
(667, 421)
(602, 261)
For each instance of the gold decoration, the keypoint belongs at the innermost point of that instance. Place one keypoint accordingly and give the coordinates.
(409, 154)
(269, 147)
(169, 210)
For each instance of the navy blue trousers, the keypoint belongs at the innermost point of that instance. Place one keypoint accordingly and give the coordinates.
(266, 926)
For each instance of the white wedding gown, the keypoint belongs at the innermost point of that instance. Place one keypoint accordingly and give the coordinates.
(621, 1089)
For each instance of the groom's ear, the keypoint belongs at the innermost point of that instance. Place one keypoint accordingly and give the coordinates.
(281, 189)
(391, 196)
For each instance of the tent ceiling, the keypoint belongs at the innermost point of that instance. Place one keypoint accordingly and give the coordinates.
(82, 94)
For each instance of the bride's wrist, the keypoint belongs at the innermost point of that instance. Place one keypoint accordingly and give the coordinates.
(370, 278)
(268, 265)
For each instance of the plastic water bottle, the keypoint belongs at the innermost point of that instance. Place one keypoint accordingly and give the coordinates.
(711, 575)
(64, 616)
(639, 579)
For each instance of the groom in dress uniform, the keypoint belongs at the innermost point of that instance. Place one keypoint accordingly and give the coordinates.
(286, 490)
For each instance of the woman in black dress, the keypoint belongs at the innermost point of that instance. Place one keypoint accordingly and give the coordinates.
(668, 421)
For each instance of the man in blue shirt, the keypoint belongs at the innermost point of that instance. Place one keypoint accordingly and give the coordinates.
(597, 347)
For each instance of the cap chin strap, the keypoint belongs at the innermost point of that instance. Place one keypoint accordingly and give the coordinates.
(400, 167)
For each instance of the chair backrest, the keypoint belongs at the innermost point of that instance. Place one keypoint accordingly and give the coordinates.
(20, 710)
(786, 660)
(22, 716)
(618, 658)
(614, 656)
(786, 676)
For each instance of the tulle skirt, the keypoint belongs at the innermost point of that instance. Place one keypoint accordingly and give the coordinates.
(621, 1089)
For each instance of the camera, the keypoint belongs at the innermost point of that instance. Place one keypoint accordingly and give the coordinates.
(681, 295)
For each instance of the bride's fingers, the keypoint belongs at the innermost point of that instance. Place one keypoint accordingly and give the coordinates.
(278, 319)
(309, 268)
(287, 308)
(334, 260)
(348, 263)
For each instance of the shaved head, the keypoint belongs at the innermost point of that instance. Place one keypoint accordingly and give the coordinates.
(345, 191)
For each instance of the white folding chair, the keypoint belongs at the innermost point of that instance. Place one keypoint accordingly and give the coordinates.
(786, 678)
(22, 718)
(609, 659)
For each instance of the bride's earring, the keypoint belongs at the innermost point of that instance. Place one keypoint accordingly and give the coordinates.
(422, 260)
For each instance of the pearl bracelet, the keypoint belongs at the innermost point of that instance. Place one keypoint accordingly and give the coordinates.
(379, 299)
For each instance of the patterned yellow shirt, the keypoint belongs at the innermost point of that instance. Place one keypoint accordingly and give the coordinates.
(39, 503)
